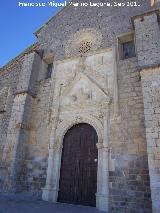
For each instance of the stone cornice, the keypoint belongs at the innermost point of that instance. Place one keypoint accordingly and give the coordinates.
(147, 13)
(149, 70)
(91, 53)
(88, 105)
(25, 93)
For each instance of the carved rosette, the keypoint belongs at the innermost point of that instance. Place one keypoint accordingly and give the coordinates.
(83, 41)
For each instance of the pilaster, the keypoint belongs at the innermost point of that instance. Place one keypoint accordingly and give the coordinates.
(102, 195)
(50, 191)
(116, 97)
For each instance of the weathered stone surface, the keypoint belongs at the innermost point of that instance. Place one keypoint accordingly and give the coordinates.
(88, 84)
(151, 94)
(108, 21)
(148, 39)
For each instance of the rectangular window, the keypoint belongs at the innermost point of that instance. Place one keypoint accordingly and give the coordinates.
(128, 50)
(49, 70)
(126, 46)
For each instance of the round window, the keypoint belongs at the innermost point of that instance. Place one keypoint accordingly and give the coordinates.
(85, 46)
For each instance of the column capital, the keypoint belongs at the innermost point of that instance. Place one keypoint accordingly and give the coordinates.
(103, 146)
(99, 145)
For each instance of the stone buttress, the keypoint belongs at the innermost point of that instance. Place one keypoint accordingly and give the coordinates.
(19, 125)
(148, 50)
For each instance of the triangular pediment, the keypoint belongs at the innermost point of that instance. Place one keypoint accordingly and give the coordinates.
(83, 89)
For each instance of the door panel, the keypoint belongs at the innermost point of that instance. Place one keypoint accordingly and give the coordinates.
(78, 175)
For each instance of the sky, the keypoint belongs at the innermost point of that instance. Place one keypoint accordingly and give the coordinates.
(17, 25)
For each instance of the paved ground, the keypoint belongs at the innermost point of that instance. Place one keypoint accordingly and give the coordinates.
(23, 203)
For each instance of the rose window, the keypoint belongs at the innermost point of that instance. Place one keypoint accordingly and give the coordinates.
(85, 46)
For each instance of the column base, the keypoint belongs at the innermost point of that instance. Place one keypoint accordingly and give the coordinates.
(49, 194)
(102, 202)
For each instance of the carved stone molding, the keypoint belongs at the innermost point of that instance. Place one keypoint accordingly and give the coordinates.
(116, 119)
(50, 192)
(56, 147)
(149, 70)
(84, 91)
(103, 146)
(67, 123)
(99, 145)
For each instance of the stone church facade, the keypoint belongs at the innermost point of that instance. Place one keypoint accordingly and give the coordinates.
(94, 71)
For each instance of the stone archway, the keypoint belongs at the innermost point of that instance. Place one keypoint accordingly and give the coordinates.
(50, 191)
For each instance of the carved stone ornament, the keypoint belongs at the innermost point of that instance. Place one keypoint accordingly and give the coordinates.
(83, 41)
(84, 90)
(85, 46)
(57, 146)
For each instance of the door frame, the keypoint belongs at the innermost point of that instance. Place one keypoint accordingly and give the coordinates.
(91, 143)
(50, 191)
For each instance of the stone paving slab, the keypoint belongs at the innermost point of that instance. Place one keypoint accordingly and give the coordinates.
(23, 203)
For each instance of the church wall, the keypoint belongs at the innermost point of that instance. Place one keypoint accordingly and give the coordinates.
(148, 40)
(110, 21)
(129, 183)
(8, 83)
(151, 95)
(129, 187)
(37, 152)
(148, 49)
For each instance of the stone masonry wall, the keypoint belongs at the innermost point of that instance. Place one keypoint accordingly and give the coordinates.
(110, 21)
(37, 149)
(14, 151)
(147, 39)
(151, 96)
(8, 81)
(129, 183)
(148, 52)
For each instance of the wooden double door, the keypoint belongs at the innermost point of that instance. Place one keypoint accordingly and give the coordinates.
(78, 174)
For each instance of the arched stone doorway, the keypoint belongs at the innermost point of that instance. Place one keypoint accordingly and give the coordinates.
(78, 173)
(51, 189)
